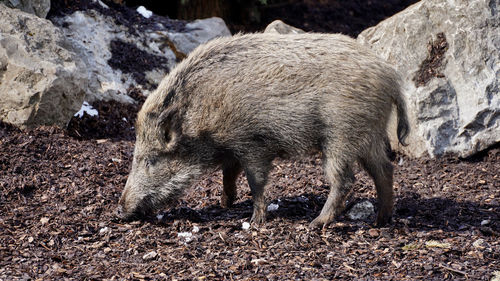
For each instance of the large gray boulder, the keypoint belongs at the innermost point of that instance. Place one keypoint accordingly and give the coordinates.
(448, 53)
(36, 7)
(198, 32)
(42, 82)
(135, 49)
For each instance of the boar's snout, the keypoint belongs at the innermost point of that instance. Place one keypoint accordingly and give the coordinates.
(122, 212)
(125, 216)
(127, 213)
(130, 206)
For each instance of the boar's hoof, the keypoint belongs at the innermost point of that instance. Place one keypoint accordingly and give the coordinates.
(382, 220)
(320, 222)
(258, 218)
(226, 201)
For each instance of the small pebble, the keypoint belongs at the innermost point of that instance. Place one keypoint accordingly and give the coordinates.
(361, 210)
(245, 226)
(272, 207)
(144, 12)
(187, 236)
(496, 276)
(103, 230)
(478, 243)
(149, 256)
(485, 222)
(258, 261)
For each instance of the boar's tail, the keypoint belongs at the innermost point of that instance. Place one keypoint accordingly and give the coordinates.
(403, 126)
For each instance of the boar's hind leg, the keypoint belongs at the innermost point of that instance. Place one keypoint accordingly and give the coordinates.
(341, 178)
(257, 179)
(380, 169)
(230, 173)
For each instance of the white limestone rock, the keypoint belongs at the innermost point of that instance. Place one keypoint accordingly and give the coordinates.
(454, 107)
(42, 81)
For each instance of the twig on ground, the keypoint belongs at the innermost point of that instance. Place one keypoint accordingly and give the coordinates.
(454, 270)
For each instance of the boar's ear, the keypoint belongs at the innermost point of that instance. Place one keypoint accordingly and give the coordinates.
(170, 126)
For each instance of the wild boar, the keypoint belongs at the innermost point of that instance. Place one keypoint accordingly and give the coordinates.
(238, 103)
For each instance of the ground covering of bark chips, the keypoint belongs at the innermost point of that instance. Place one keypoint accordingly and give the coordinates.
(59, 190)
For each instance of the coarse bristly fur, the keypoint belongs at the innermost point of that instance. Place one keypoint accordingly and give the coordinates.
(237, 103)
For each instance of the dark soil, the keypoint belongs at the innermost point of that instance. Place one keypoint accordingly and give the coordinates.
(115, 121)
(128, 58)
(60, 188)
(122, 15)
(348, 17)
(433, 65)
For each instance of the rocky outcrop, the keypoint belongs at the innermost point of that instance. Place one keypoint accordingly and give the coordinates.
(198, 32)
(280, 27)
(42, 81)
(93, 52)
(36, 7)
(448, 55)
(123, 48)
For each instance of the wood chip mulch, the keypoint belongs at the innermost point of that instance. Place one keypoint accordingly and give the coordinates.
(59, 192)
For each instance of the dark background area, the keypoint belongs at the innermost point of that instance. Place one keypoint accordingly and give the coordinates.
(344, 16)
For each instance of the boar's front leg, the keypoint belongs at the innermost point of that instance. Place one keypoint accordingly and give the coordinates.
(257, 178)
(230, 173)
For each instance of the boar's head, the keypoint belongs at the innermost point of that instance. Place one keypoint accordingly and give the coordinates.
(161, 167)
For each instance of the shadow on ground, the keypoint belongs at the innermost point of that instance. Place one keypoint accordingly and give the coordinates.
(411, 210)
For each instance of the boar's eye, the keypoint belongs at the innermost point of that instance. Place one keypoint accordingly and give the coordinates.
(168, 136)
(151, 162)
